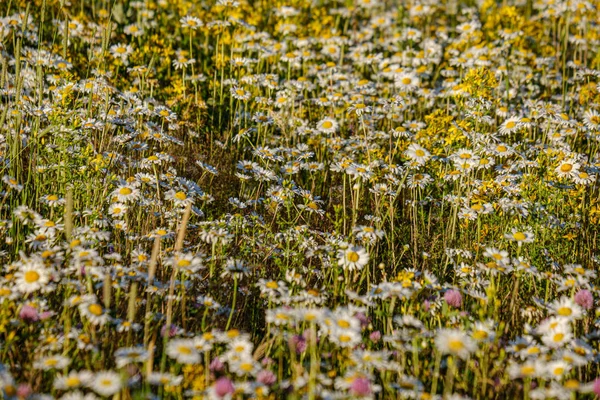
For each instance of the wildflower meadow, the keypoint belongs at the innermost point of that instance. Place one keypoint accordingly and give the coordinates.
(299, 199)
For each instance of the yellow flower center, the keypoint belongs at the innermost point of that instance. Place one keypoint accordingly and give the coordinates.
(353, 256)
(10, 390)
(520, 236)
(566, 167)
(343, 324)
(572, 384)
(272, 285)
(345, 338)
(233, 333)
(31, 276)
(246, 367)
(73, 381)
(95, 309)
(480, 335)
(51, 362)
(455, 345)
(558, 337)
(564, 311)
(527, 370)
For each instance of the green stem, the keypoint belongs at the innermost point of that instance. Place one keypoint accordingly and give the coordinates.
(235, 284)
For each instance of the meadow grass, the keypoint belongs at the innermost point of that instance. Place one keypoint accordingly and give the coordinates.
(299, 199)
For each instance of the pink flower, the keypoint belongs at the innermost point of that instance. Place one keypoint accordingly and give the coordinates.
(597, 387)
(172, 331)
(216, 365)
(298, 342)
(23, 390)
(360, 387)
(453, 298)
(364, 321)
(223, 387)
(307, 335)
(426, 305)
(375, 336)
(29, 314)
(585, 299)
(266, 377)
(267, 361)
(46, 315)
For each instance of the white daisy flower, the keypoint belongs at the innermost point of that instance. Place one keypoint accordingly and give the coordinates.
(566, 308)
(106, 383)
(31, 277)
(418, 154)
(93, 312)
(126, 193)
(183, 351)
(455, 342)
(407, 81)
(520, 236)
(72, 380)
(52, 362)
(568, 169)
(327, 125)
(353, 258)
(190, 22)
